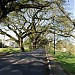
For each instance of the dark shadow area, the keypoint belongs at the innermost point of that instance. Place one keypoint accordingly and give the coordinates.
(24, 63)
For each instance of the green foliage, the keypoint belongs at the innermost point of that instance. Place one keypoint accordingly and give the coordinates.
(44, 41)
(63, 44)
(71, 49)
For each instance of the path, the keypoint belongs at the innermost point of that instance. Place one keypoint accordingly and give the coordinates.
(29, 63)
(24, 63)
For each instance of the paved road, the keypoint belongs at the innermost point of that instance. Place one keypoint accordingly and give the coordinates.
(24, 63)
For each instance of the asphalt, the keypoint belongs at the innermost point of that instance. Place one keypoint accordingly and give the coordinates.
(24, 63)
(30, 63)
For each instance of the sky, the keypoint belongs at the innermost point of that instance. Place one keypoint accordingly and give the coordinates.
(73, 8)
(70, 7)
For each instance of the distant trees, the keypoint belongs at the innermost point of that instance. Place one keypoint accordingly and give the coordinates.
(65, 46)
(60, 45)
(71, 48)
(41, 42)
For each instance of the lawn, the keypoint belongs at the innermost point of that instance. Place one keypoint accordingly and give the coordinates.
(67, 61)
(11, 50)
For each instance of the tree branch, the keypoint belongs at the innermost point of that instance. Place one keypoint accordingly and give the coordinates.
(4, 33)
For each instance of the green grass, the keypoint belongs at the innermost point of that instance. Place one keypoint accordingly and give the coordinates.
(11, 50)
(67, 61)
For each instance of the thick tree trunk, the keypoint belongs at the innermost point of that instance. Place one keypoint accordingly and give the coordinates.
(34, 46)
(22, 48)
(21, 44)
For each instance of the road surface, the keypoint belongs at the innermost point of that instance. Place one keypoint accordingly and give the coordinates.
(24, 63)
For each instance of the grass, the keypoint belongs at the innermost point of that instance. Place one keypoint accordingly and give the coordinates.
(67, 61)
(11, 50)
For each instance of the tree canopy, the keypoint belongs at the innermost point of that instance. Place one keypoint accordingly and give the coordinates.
(34, 18)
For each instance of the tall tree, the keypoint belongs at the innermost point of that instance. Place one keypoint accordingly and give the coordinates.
(17, 24)
(35, 19)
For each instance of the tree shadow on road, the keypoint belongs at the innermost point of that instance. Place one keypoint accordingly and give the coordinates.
(23, 64)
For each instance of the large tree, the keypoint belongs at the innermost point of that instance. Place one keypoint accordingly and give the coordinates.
(37, 17)
(19, 27)
(7, 6)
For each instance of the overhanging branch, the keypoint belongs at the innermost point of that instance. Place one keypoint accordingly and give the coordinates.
(4, 33)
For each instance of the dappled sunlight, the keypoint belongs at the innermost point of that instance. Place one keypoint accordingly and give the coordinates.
(29, 63)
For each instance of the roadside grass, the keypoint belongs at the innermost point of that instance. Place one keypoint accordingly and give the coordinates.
(11, 50)
(67, 61)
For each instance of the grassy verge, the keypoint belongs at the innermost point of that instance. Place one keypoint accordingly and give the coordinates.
(67, 61)
(11, 50)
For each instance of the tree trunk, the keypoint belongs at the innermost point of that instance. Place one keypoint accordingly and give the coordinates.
(22, 48)
(21, 44)
(34, 44)
(30, 44)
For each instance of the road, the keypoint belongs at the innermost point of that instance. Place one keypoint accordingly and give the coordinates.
(24, 63)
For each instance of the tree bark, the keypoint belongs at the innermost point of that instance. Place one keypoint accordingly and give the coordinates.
(21, 44)
(34, 44)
